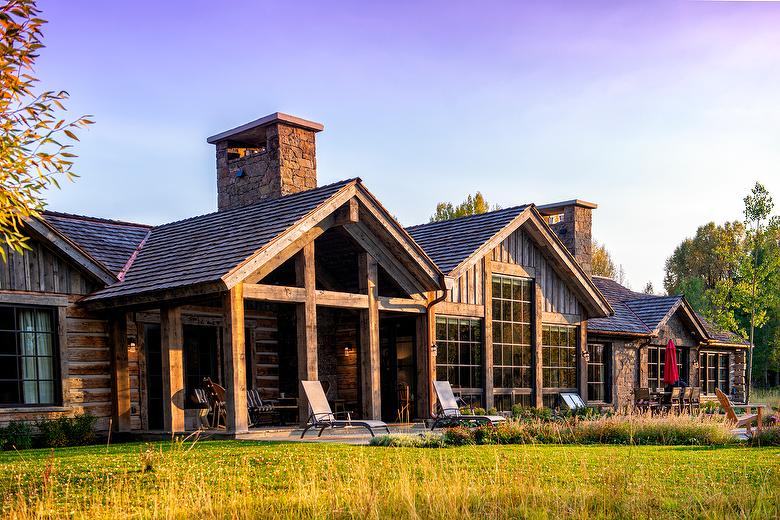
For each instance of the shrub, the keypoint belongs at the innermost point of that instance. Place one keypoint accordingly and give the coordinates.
(424, 440)
(17, 435)
(531, 413)
(67, 431)
(766, 437)
(458, 436)
(81, 429)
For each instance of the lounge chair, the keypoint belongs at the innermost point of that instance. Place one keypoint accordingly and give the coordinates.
(258, 409)
(321, 416)
(573, 401)
(738, 420)
(450, 411)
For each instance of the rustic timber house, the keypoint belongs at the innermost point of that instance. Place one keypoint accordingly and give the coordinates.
(289, 281)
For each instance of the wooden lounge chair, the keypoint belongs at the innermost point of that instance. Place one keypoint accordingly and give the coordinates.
(321, 416)
(739, 421)
(450, 411)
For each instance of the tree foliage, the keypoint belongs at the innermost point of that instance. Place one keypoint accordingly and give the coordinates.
(34, 149)
(601, 261)
(731, 272)
(471, 206)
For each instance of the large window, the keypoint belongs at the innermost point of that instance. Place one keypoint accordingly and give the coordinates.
(656, 361)
(598, 372)
(512, 318)
(459, 354)
(559, 357)
(713, 372)
(28, 357)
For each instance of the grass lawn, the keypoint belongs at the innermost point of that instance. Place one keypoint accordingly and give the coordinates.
(241, 479)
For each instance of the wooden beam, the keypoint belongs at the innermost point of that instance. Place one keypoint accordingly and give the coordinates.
(234, 355)
(120, 380)
(513, 269)
(284, 294)
(581, 356)
(172, 343)
(537, 347)
(349, 213)
(407, 305)
(274, 293)
(366, 240)
(369, 339)
(470, 310)
(280, 257)
(306, 323)
(487, 291)
(561, 319)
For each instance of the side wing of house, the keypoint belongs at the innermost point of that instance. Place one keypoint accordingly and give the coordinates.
(55, 356)
(512, 329)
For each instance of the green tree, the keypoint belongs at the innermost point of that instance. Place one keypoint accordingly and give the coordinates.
(601, 261)
(32, 152)
(649, 289)
(471, 206)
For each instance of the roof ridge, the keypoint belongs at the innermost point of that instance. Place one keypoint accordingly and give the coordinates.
(260, 203)
(88, 218)
(520, 207)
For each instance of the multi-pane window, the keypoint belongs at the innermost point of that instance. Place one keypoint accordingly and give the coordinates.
(598, 370)
(656, 361)
(28, 357)
(713, 372)
(512, 318)
(459, 354)
(559, 356)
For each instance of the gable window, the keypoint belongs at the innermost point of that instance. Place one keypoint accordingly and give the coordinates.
(599, 375)
(459, 355)
(512, 318)
(656, 360)
(29, 372)
(714, 372)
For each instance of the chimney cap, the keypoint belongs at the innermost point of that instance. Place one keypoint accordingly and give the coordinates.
(248, 132)
(546, 209)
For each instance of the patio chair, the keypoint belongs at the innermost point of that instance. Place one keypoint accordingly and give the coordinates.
(217, 396)
(695, 399)
(321, 416)
(259, 410)
(450, 411)
(686, 399)
(204, 407)
(644, 401)
(739, 421)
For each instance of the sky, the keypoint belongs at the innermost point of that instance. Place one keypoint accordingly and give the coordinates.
(663, 113)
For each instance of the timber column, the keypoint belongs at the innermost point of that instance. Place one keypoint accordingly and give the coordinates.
(369, 339)
(120, 382)
(306, 322)
(234, 352)
(172, 343)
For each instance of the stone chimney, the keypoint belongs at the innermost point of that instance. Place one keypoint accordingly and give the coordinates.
(265, 159)
(572, 221)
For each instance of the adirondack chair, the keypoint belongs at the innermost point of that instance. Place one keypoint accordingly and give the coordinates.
(450, 411)
(742, 420)
(321, 416)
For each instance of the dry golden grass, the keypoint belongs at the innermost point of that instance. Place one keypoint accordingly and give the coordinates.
(256, 480)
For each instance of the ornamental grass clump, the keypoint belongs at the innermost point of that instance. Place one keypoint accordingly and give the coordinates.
(399, 440)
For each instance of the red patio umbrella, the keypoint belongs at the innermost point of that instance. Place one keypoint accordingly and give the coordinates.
(671, 374)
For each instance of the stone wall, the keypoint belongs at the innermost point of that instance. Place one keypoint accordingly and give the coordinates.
(624, 372)
(286, 164)
(575, 233)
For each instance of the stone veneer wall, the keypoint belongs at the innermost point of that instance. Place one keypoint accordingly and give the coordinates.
(288, 165)
(575, 233)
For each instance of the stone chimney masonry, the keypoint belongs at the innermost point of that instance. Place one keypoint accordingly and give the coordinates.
(572, 221)
(265, 159)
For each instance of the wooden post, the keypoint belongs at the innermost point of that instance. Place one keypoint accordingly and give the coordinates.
(423, 358)
(306, 319)
(431, 320)
(234, 354)
(537, 358)
(120, 382)
(172, 344)
(487, 358)
(583, 360)
(369, 339)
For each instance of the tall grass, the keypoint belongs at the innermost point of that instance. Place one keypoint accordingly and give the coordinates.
(224, 480)
(770, 396)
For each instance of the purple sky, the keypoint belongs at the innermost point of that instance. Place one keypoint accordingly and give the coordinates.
(664, 113)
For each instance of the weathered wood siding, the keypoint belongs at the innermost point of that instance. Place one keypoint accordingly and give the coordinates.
(518, 249)
(41, 270)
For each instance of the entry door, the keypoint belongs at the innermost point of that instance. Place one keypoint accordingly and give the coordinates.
(154, 380)
(398, 374)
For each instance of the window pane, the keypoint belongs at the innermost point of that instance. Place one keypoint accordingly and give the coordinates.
(7, 343)
(7, 318)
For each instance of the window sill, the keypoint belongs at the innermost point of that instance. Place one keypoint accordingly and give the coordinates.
(33, 409)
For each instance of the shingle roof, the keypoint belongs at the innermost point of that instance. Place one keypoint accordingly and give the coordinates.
(450, 242)
(203, 249)
(110, 242)
(639, 313)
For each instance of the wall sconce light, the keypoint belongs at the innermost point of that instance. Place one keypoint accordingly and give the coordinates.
(131, 341)
(347, 349)
(434, 349)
